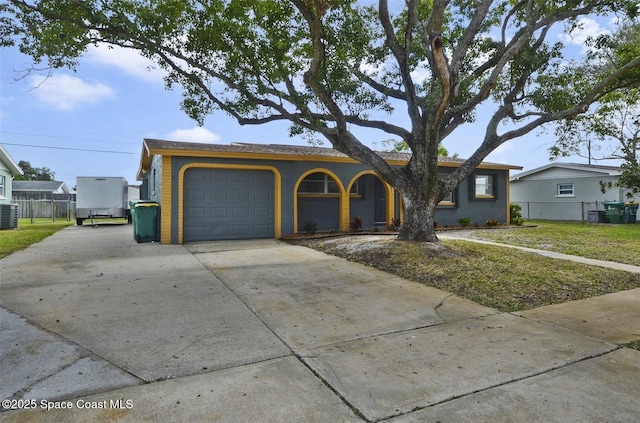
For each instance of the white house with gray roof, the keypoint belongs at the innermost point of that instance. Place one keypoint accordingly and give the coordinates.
(9, 169)
(565, 191)
(37, 190)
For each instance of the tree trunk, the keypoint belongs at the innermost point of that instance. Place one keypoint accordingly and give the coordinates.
(418, 221)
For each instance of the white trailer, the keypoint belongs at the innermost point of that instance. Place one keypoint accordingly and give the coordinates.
(101, 197)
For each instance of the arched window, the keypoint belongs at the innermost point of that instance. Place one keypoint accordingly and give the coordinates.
(323, 183)
(318, 183)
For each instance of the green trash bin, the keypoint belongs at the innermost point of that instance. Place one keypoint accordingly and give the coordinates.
(631, 211)
(145, 215)
(615, 211)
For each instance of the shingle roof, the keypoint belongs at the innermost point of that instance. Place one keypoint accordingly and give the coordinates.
(608, 170)
(288, 150)
(241, 147)
(37, 186)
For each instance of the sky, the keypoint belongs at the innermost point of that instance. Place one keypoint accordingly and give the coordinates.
(92, 122)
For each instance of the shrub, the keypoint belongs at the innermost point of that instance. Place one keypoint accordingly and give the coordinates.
(394, 225)
(309, 227)
(516, 215)
(465, 222)
(492, 222)
(355, 224)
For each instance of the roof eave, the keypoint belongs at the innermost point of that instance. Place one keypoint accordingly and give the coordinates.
(11, 164)
(574, 166)
(148, 152)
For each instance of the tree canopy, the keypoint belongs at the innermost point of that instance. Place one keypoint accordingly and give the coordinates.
(330, 67)
(614, 122)
(34, 173)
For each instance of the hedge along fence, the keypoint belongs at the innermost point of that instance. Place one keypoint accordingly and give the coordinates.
(46, 208)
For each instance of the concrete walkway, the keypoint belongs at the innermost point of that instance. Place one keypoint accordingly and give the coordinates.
(547, 253)
(99, 328)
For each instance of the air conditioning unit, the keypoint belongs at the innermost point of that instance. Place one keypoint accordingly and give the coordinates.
(8, 216)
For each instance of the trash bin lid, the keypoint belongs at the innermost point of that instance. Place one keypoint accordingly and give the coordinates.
(145, 203)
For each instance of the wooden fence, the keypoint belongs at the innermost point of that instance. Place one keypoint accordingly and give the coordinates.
(46, 208)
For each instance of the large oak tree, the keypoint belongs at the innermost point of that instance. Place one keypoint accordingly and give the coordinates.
(614, 121)
(332, 66)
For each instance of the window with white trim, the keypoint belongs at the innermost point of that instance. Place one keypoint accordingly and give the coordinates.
(565, 190)
(318, 183)
(449, 200)
(355, 188)
(484, 186)
(2, 185)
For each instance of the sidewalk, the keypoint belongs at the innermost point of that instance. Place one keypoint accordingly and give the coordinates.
(262, 331)
(546, 253)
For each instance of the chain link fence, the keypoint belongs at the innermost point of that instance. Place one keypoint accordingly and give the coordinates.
(566, 210)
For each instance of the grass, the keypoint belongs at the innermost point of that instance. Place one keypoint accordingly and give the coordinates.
(497, 277)
(633, 345)
(598, 241)
(12, 240)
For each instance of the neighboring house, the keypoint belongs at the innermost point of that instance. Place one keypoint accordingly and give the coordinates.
(8, 170)
(40, 190)
(216, 192)
(564, 191)
(43, 199)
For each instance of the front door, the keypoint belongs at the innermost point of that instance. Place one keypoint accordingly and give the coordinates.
(380, 202)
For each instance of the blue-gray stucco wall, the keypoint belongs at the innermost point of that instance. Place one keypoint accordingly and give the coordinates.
(325, 211)
(479, 210)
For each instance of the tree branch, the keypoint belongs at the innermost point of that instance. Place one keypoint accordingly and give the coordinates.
(402, 59)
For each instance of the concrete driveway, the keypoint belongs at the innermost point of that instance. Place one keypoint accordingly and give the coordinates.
(261, 331)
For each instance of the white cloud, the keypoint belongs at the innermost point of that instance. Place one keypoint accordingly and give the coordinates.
(195, 134)
(586, 28)
(502, 154)
(127, 60)
(67, 92)
(420, 75)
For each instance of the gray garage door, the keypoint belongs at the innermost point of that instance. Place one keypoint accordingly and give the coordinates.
(228, 204)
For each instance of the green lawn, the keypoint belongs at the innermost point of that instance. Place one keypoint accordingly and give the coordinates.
(12, 240)
(503, 278)
(601, 241)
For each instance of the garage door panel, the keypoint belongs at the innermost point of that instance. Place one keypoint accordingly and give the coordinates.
(228, 204)
(222, 176)
(264, 230)
(243, 176)
(241, 194)
(194, 213)
(261, 195)
(241, 212)
(219, 193)
(219, 212)
(262, 212)
(196, 193)
(242, 231)
(196, 174)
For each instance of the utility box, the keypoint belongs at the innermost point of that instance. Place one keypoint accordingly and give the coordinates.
(8, 216)
(101, 197)
(597, 216)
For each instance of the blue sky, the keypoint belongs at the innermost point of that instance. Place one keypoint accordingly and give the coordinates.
(92, 122)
